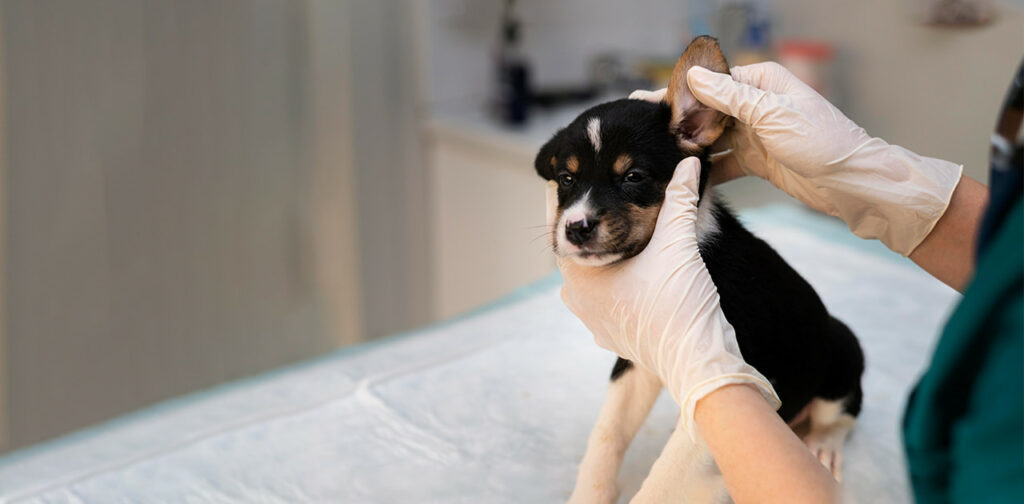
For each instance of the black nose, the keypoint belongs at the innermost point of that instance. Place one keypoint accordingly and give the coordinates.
(580, 231)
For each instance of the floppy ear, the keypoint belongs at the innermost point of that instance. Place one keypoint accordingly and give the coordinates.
(694, 125)
(547, 158)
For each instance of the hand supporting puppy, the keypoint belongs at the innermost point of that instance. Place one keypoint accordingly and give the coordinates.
(660, 309)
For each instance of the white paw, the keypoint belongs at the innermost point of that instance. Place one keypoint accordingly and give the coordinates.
(828, 447)
(595, 493)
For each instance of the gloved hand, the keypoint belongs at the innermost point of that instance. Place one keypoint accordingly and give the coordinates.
(660, 309)
(787, 133)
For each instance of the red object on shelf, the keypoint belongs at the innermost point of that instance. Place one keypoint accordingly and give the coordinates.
(805, 49)
(809, 60)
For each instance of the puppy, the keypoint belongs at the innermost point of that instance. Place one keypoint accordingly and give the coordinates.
(612, 165)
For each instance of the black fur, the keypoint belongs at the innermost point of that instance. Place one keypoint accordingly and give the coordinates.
(621, 366)
(782, 327)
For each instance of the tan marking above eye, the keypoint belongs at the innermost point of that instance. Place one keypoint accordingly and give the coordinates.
(622, 163)
(572, 164)
(554, 161)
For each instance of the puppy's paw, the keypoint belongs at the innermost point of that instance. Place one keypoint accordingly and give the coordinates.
(595, 493)
(827, 446)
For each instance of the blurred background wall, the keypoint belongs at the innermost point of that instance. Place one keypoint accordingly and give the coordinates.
(197, 191)
(179, 202)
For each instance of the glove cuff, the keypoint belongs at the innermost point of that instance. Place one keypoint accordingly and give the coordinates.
(892, 194)
(688, 404)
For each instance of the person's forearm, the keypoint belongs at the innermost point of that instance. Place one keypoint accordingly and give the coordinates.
(947, 253)
(760, 457)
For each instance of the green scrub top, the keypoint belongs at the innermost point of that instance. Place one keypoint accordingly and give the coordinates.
(963, 429)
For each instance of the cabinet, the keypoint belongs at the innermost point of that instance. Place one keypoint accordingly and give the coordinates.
(487, 209)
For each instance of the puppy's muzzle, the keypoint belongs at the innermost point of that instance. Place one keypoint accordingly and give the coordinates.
(580, 231)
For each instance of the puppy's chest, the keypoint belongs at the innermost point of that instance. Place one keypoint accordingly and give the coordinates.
(708, 229)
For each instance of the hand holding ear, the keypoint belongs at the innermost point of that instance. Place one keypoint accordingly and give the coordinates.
(788, 134)
(660, 309)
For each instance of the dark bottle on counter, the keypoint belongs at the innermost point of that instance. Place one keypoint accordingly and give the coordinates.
(512, 92)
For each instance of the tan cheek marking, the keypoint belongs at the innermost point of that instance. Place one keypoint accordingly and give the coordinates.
(644, 219)
(572, 164)
(622, 163)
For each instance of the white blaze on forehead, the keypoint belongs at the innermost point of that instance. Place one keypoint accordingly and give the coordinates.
(594, 132)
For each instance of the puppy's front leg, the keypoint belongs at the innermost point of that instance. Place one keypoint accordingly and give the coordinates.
(631, 394)
(684, 472)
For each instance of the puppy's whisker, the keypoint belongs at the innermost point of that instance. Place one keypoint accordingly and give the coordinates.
(547, 234)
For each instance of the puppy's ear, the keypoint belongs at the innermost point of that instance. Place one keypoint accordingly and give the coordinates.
(694, 125)
(547, 158)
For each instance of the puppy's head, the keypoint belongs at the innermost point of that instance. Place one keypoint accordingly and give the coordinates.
(612, 163)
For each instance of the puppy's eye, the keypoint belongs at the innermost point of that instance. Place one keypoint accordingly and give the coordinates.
(566, 180)
(634, 177)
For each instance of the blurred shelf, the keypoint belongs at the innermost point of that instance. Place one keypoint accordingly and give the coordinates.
(473, 125)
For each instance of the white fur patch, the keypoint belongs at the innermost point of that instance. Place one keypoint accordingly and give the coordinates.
(830, 426)
(578, 211)
(824, 413)
(707, 223)
(594, 133)
(596, 260)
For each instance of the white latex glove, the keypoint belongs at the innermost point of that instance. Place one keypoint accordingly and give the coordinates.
(660, 309)
(787, 133)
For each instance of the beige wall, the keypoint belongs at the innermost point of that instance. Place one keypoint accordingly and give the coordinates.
(5, 439)
(334, 222)
(392, 187)
(179, 209)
